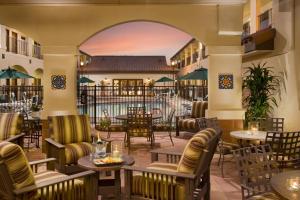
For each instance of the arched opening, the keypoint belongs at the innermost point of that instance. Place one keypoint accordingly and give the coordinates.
(38, 75)
(139, 60)
(19, 81)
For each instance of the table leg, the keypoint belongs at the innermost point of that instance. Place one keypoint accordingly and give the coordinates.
(118, 184)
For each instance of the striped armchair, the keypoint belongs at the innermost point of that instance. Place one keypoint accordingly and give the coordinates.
(188, 179)
(22, 180)
(11, 128)
(70, 140)
(189, 122)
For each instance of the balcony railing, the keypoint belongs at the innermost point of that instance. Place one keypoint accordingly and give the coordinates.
(18, 46)
(36, 51)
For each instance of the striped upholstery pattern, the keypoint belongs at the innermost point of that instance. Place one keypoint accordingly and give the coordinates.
(70, 128)
(188, 124)
(198, 109)
(163, 166)
(17, 165)
(194, 149)
(74, 151)
(10, 125)
(55, 193)
(265, 196)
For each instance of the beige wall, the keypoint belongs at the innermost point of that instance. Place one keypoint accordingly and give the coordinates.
(61, 29)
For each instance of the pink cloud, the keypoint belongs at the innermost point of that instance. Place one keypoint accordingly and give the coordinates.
(137, 38)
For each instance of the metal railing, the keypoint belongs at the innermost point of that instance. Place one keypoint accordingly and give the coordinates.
(18, 46)
(36, 51)
(20, 98)
(92, 100)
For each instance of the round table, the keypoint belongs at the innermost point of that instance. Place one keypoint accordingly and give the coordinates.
(86, 163)
(249, 135)
(279, 185)
(125, 117)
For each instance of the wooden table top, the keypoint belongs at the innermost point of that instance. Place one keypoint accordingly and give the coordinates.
(279, 184)
(86, 163)
(124, 117)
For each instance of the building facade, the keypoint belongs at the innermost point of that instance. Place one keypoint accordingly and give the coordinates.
(22, 53)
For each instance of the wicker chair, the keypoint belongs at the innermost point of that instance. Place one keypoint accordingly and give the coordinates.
(70, 140)
(184, 180)
(22, 180)
(256, 167)
(165, 125)
(286, 148)
(139, 125)
(11, 128)
(111, 127)
(188, 122)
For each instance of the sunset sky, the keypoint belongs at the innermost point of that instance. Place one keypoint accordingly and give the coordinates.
(137, 38)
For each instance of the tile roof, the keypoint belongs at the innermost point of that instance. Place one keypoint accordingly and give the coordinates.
(125, 64)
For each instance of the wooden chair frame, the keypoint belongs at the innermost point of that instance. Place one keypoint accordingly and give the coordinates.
(256, 167)
(90, 183)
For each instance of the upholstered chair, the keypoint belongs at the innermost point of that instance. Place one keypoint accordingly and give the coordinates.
(70, 139)
(25, 180)
(11, 128)
(189, 122)
(184, 180)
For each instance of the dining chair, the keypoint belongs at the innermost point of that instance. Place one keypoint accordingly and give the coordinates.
(165, 125)
(271, 124)
(139, 125)
(286, 148)
(256, 166)
(187, 179)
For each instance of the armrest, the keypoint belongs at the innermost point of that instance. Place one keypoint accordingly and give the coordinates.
(183, 116)
(15, 137)
(42, 161)
(172, 152)
(52, 182)
(56, 144)
(154, 171)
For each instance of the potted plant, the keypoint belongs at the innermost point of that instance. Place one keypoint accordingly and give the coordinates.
(35, 110)
(261, 86)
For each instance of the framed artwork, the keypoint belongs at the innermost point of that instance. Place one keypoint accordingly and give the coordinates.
(58, 82)
(225, 81)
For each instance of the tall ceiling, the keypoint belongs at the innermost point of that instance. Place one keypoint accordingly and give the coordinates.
(122, 1)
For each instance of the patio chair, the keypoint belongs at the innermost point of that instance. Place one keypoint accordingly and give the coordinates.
(188, 179)
(188, 122)
(70, 139)
(139, 125)
(22, 180)
(165, 125)
(271, 124)
(11, 128)
(256, 167)
(136, 110)
(286, 148)
(111, 126)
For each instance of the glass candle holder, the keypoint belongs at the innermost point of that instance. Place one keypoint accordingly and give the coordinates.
(116, 150)
(293, 184)
(253, 126)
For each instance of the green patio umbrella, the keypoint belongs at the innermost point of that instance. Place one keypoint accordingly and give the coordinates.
(181, 78)
(12, 74)
(198, 74)
(84, 79)
(164, 79)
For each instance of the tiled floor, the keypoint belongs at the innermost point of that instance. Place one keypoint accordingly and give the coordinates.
(221, 188)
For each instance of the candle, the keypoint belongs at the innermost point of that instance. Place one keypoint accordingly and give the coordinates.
(116, 152)
(294, 184)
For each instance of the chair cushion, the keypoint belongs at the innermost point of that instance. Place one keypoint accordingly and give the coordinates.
(75, 151)
(54, 193)
(17, 165)
(162, 127)
(265, 196)
(198, 109)
(163, 166)
(228, 147)
(139, 132)
(194, 149)
(70, 128)
(188, 124)
(10, 125)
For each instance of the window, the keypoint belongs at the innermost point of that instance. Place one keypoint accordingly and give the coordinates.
(14, 42)
(22, 46)
(265, 19)
(7, 40)
(246, 29)
(128, 87)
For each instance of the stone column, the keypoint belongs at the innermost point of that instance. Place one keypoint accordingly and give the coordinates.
(253, 16)
(60, 60)
(224, 103)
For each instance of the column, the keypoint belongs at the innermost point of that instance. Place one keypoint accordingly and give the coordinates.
(253, 16)
(60, 60)
(225, 103)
